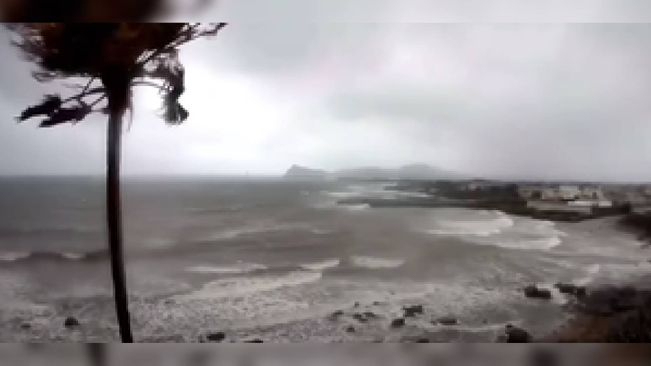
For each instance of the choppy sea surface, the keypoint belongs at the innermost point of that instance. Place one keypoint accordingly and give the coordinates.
(271, 259)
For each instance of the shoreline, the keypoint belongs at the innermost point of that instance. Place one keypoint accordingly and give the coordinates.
(516, 208)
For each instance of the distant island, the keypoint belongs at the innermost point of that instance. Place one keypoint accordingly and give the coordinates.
(406, 172)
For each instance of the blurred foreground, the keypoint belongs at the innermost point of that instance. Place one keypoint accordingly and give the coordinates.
(263, 355)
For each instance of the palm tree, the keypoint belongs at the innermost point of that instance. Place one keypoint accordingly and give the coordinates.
(111, 58)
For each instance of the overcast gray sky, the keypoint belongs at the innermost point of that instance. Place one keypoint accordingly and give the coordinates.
(546, 101)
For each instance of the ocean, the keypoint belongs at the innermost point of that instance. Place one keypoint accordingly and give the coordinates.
(271, 259)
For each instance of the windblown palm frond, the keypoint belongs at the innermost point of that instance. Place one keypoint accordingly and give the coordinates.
(142, 52)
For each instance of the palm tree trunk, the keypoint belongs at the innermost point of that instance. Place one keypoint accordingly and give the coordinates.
(114, 220)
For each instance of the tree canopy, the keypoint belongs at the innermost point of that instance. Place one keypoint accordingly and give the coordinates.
(82, 10)
(101, 54)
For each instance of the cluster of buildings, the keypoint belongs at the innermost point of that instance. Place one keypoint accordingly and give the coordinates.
(579, 197)
(576, 195)
(571, 197)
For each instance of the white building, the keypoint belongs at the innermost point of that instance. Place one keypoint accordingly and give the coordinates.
(568, 193)
(590, 203)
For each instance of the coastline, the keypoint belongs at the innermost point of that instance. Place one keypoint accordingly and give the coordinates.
(614, 312)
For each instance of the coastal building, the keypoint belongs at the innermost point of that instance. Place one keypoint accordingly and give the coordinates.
(592, 193)
(530, 192)
(591, 203)
(568, 192)
(550, 194)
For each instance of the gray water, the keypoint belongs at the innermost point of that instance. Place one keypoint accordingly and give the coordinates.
(271, 259)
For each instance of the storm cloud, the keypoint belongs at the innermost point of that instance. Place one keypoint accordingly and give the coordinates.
(548, 100)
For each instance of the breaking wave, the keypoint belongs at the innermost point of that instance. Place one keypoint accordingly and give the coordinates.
(228, 269)
(539, 244)
(474, 228)
(358, 207)
(321, 265)
(69, 256)
(244, 286)
(375, 262)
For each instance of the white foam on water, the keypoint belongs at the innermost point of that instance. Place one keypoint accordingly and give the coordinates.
(159, 243)
(481, 228)
(320, 231)
(355, 208)
(321, 265)
(245, 286)
(591, 273)
(535, 244)
(376, 263)
(343, 194)
(73, 256)
(227, 269)
(13, 256)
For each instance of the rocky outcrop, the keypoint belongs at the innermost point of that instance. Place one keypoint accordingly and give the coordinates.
(413, 310)
(447, 320)
(254, 340)
(335, 315)
(214, 337)
(360, 317)
(71, 322)
(532, 291)
(516, 335)
(398, 322)
(571, 289)
(608, 314)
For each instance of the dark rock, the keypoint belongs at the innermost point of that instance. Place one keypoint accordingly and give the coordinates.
(254, 340)
(448, 320)
(516, 335)
(422, 340)
(609, 300)
(538, 293)
(215, 337)
(356, 304)
(71, 322)
(350, 329)
(360, 317)
(336, 315)
(411, 311)
(370, 315)
(377, 303)
(397, 323)
(25, 326)
(571, 289)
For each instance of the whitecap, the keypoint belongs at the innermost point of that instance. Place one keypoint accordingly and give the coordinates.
(245, 286)
(376, 263)
(73, 256)
(13, 256)
(472, 228)
(321, 265)
(545, 243)
(320, 231)
(227, 269)
(358, 207)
